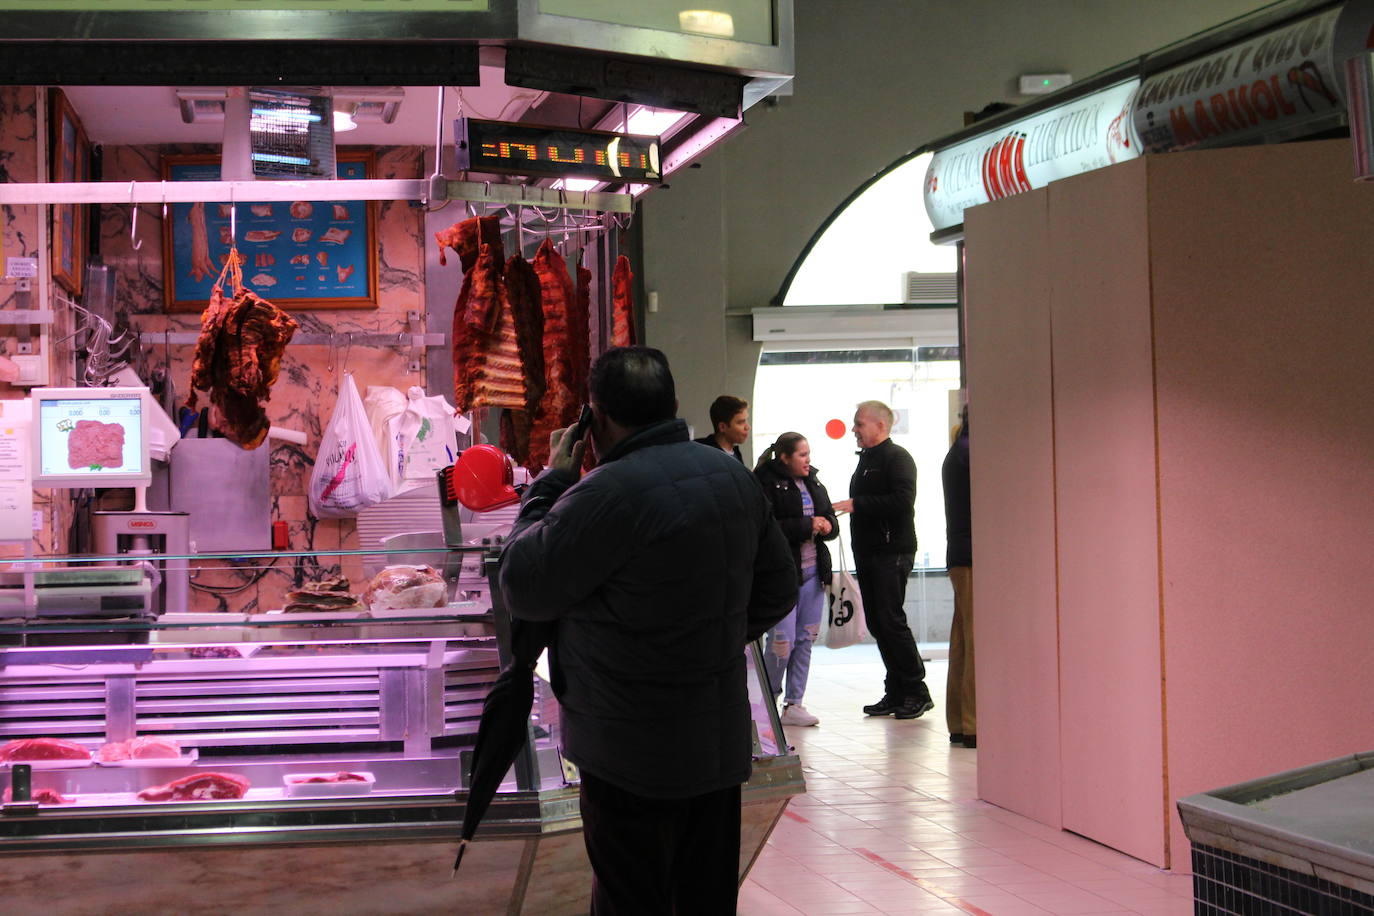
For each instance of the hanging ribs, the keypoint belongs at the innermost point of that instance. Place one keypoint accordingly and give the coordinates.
(523, 300)
(622, 304)
(560, 405)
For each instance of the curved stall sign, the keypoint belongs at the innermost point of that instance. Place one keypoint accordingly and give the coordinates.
(1276, 81)
(1085, 134)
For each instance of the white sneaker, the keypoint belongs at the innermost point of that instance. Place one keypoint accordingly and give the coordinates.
(797, 715)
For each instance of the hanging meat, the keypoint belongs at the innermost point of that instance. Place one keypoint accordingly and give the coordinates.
(237, 360)
(498, 379)
(523, 301)
(580, 337)
(466, 236)
(478, 243)
(561, 405)
(622, 304)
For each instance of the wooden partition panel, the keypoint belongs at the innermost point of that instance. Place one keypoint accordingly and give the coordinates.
(1012, 466)
(1263, 280)
(1111, 733)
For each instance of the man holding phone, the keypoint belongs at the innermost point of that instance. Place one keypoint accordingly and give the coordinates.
(658, 567)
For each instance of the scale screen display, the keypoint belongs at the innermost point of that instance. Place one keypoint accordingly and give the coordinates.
(92, 438)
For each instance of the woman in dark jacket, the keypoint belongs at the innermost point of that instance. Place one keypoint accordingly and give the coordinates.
(802, 507)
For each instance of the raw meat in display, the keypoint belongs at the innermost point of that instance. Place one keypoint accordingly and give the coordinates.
(262, 235)
(336, 236)
(302, 209)
(263, 280)
(340, 211)
(262, 211)
(622, 304)
(343, 272)
(329, 777)
(199, 787)
(401, 587)
(42, 796)
(201, 265)
(93, 444)
(143, 747)
(301, 235)
(238, 356)
(25, 749)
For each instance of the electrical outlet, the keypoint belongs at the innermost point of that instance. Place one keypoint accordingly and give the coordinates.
(33, 370)
(414, 365)
(25, 346)
(413, 316)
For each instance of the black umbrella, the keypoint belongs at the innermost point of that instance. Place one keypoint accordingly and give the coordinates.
(504, 727)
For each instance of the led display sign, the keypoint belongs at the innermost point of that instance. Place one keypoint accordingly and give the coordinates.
(522, 149)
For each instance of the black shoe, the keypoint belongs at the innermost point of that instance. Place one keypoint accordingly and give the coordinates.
(884, 707)
(912, 708)
(970, 741)
(956, 738)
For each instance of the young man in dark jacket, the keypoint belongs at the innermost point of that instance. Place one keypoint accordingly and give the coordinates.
(659, 567)
(882, 498)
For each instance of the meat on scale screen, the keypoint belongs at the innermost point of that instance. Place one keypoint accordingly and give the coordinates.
(95, 436)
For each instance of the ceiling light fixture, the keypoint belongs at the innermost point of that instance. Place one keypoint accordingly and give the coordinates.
(343, 121)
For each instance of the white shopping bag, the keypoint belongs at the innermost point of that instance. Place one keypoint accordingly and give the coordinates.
(420, 440)
(349, 475)
(845, 618)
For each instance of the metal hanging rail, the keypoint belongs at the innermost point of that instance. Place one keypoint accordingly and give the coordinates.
(317, 339)
(421, 189)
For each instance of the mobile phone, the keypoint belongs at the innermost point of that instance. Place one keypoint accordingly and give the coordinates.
(584, 421)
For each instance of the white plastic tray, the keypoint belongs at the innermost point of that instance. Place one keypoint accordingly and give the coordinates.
(186, 759)
(298, 789)
(50, 764)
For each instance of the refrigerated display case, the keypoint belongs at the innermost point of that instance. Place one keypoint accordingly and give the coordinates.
(393, 697)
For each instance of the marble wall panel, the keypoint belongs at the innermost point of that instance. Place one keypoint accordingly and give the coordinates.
(304, 396)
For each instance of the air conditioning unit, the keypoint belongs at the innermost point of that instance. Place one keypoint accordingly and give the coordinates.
(929, 288)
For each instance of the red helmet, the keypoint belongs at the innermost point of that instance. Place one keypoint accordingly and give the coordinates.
(483, 479)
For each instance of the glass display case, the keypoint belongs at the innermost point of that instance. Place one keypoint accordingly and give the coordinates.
(291, 753)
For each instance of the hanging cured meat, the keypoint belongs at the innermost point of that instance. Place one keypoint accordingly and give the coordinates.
(522, 298)
(466, 236)
(238, 357)
(561, 405)
(580, 338)
(622, 304)
(477, 311)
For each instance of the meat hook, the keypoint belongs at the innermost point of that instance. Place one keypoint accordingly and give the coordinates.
(233, 220)
(134, 240)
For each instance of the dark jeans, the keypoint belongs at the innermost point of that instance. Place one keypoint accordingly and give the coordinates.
(661, 856)
(882, 583)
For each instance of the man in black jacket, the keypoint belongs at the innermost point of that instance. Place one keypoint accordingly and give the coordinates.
(659, 567)
(882, 498)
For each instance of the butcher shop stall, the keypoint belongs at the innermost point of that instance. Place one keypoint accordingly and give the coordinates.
(291, 301)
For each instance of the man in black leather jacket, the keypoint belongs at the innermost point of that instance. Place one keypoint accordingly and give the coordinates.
(882, 498)
(658, 567)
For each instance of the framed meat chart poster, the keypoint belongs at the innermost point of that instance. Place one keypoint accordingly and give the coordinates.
(300, 255)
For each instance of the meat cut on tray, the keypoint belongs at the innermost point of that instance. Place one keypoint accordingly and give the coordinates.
(327, 777)
(93, 444)
(199, 787)
(26, 749)
(143, 747)
(42, 796)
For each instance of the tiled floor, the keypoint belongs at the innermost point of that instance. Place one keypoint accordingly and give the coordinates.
(891, 824)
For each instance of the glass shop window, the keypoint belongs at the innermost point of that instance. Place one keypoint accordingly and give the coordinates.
(814, 392)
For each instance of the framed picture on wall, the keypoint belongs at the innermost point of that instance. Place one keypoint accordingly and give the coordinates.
(298, 254)
(70, 155)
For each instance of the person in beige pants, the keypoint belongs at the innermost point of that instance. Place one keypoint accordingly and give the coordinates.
(961, 710)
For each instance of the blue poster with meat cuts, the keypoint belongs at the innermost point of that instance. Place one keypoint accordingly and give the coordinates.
(297, 254)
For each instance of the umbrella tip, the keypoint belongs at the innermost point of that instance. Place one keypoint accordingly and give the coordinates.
(458, 859)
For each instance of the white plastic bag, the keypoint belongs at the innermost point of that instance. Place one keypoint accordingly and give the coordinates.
(349, 475)
(420, 440)
(382, 402)
(845, 624)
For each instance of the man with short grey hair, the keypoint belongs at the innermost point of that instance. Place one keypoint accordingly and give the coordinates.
(882, 500)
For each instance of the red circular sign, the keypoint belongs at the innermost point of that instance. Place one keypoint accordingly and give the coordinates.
(835, 429)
